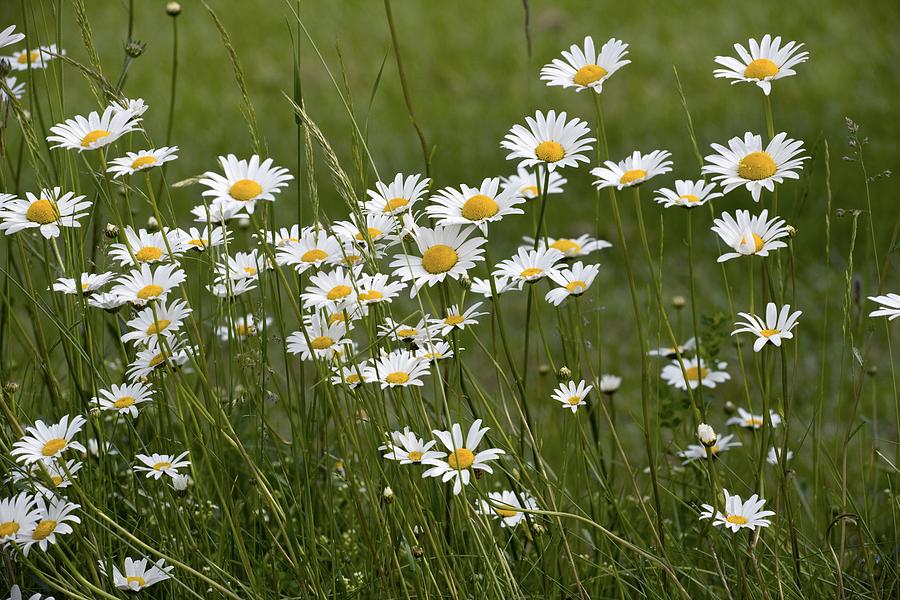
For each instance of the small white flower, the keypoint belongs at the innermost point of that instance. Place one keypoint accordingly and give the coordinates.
(738, 514)
(457, 320)
(890, 306)
(696, 372)
(123, 399)
(550, 141)
(525, 183)
(407, 448)
(44, 442)
(574, 281)
(397, 197)
(777, 325)
(706, 434)
(137, 574)
(774, 456)
(748, 420)
(748, 236)
(697, 451)
(400, 368)
(133, 162)
(745, 163)
(529, 266)
(634, 170)
(95, 130)
(688, 194)
(609, 384)
(584, 68)
(571, 396)
(475, 206)
(766, 61)
(506, 506)
(90, 282)
(157, 465)
(462, 459)
(245, 183)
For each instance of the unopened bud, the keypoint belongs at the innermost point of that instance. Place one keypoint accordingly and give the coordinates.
(707, 435)
(729, 407)
(173, 9)
(465, 282)
(180, 482)
(388, 494)
(609, 384)
(678, 302)
(152, 224)
(418, 552)
(135, 48)
(565, 373)
(243, 223)
(11, 387)
(792, 231)
(111, 232)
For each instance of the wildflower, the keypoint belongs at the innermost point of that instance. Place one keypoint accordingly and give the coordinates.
(194, 239)
(379, 228)
(774, 456)
(669, 352)
(574, 281)
(766, 61)
(739, 514)
(501, 284)
(107, 302)
(525, 183)
(571, 395)
(8, 36)
(529, 265)
(59, 474)
(23, 60)
(150, 323)
(123, 399)
(634, 170)
(312, 250)
(351, 376)
(136, 107)
(583, 68)
(506, 506)
(147, 247)
(549, 140)
(217, 212)
(321, 339)
(707, 435)
(463, 459)
(610, 384)
(94, 131)
(375, 289)
(137, 575)
(242, 328)
(17, 515)
(404, 333)
(442, 252)
(174, 354)
(133, 162)
(777, 325)
(16, 88)
(47, 442)
(15, 593)
(157, 465)
(688, 194)
(245, 182)
(748, 420)
(397, 197)
(90, 282)
(408, 448)
(398, 368)
(456, 319)
(330, 289)
(435, 350)
(697, 451)
(475, 206)
(55, 515)
(748, 236)
(890, 306)
(696, 372)
(243, 265)
(180, 482)
(226, 288)
(570, 247)
(48, 211)
(146, 285)
(746, 163)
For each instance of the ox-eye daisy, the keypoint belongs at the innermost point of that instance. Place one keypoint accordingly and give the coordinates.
(243, 265)
(506, 506)
(572, 282)
(47, 211)
(669, 352)
(195, 239)
(774, 456)
(739, 514)
(748, 420)
(157, 465)
(16, 88)
(687, 194)
(475, 206)
(571, 395)
(17, 515)
(766, 61)
(750, 235)
(244, 183)
(696, 372)
(55, 516)
(462, 459)
(396, 197)
(138, 574)
(241, 328)
(152, 322)
(226, 288)
(124, 399)
(570, 247)
(143, 246)
(94, 131)
(775, 327)
(525, 183)
(283, 236)
(550, 141)
(312, 250)
(435, 350)
(350, 375)
(217, 212)
(634, 170)
(8, 37)
(145, 285)
(698, 451)
(22, 60)
(133, 162)
(324, 339)
(398, 368)
(106, 301)
(44, 442)
(443, 252)
(402, 332)
(155, 356)
(501, 285)
(584, 68)
(890, 306)
(333, 289)
(456, 319)
(610, 384)
(529, 265)
(377, 288)
(745, 163)
(90, 282)
(408, 448)
(378, 229)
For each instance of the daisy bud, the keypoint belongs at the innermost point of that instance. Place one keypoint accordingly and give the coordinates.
(243, 223)
(792, 231)
(418, 552)
(543, 369)
(173, 9)
(4, 68)
(465, 282)
(135, 48)
(152, 224)
(111, 232)
(678, 302)
(707, 435)
(180, 482)
(609, 384)
(11, 387)
(388, 494)
(729, 407)
(565, 373)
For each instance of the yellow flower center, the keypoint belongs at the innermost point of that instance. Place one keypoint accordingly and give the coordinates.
(394, 204)
(754, 421)
(373, 233)
(758, 242)
(371, 296)
(338, 292)
(8, 528)
(506, 512)
(550, 152)
(479, 207)
(143, 161)
(148, 253)
(769, 332)
(566, 246)
(695, 374)
(135, 579)
(454, 320)
(415, 455)
(463, 458)
(51, 447)
(576, 287)
(322, 342)
(337, 317)
(34, 56)
(149, 291)
(314, 255)
(352, 378)
(531, 272)
(244, 330)
(397, 377)
(756, 166)
(714, 449)
(156, 360)
(42, 211)
(440, 258)
(93, 136)
(198, 243)
(161, 465)
(244, 190)
(124, 402)
(689, 198)
(589, 74)
(529, 190)
(632, 176)
(43, 529)
(760, 69)
(736, 519)
(158, 326)
(56, 479)
(407, 333)
(573, 400)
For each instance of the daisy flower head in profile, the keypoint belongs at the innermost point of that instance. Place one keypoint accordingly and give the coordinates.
(774, 456)
(283, 236)
(94, 131)
(506, 506)
(350, 375)
(15, 592)
(16, 88)
(8, 36)
(244, 183)
(746, 163)
(398, 196)
(377, 289)
(435, 350)
(634, 170)
(696, 373)
(399, 368)
(133, 162)
(143, 246)
(123, 399)
(48, 212)
(529, 266)
(584, 68)
(136, 107)
(243, 265)
(458, 320)
(18, 514)
(138, 574)
(378, 229)
(154, 357)
(463, 459)
(738, 514)
(401, 332)
(550, 141)
(750, 235)
(572, 395)
(748, 420)
(525, 183)
(330, 289)
(106, 301)
(572, 281)
(242, 328)
(55, 514)
(22, 60)
(764, 62)
(45, 443)
(610, 384)
(157, 465)
(407, 448)
(699, 451)
(195, 239)
(159, 320)
(777, 325)
(90, 282)
(146, 284)
(315, 248)
(475, 206)
(322, 339)
(227, 288)
(688, 194)
(570, 247)
(217, 212)
(688, 347)
(58, 474)
(501, 285)
(443, 252)
(889, 306)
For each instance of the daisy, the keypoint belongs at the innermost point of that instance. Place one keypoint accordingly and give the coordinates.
(123, 399)
(16, 89)
(890, 306)
(245, 183)
(501, 285)
(398, 368)
(777, 325)
(174, 354)
(90, 282)
(133, 162)
(584, 68)
(17, 515)
(330, 289)
(634, 170)
(748, 235)
(698, 451)
(137, 575)
(570, 247)
(442, 252)
(746, 163)
(243, 265)
(136, 107)
(143, 246)
(145, 285)
(322, 339)
(462, 459)
(457, 320)
(739, 514)
(194, 239)
(46, 443)
(23, 60)
(774, 456)
(687, 194)
(525, 183)
(396, 197)
(15, 592)
(242, 328)
(157, 465)
(60, 475)
(766, 61)
(48, 211)
(571, 395)
(54, 520)
(407, 448)
(374, 289)
(379, 228)
(226, 288)
(706, 434)
(750, 421)
(151, 322)
(529, 265)
(312, 250)
(8, 36)
(668, 352)
(95, 131)
(475, 206)
(105, 301)
(549, 141)
(401, 332)
(217, 212)
(506, 506)
(610, 384)
(696, 373)
(351, 376)
(284, 236)
(573, 281)
(435, 350)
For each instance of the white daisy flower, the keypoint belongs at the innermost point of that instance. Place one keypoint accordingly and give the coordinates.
(332, 290)
(408, 448)
(748, 420)
(314, 249)
(889, 306)
(766, 61)
(243, 265)
(157, 465)
(457, 320)
(443, 252)
(687, 194)
(396, 197)
(133, 162)
(242, 328)
(774, 456)
(506, 506)
(151, 322)
(747, 236)
(22, 60)
(17, 515)
(195, 239)
(525, 183)
(245, 182)
(669, 352)
(106, 301)
(325, 340)
(398, 368)
(610, 384)
(572, 395)
(475, 206)
(155, 357)
(55, 516)
(226, 288)
(745, 163)
(549, 141)
(584, 68)
(696, 372)
(48, 211)
(94, 131)
(418, 333)
(45, 443)
(634, 170)
(90, 282)
(8, 36)
(123, 399)
(435, 350)
(706, 434)
(143, 246)
(377, 288)
(138, 574)
(529, 265)
(379, 229)
(698, 451)
(16, 88)
(147, 284)
(60, 475)
(501, 285)
(136, 107)
(570, 247)
(738, 514)
(462, 459)
(777, 325)
(573, 281)
(351, 376)
(217, 212)
(284, 236)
